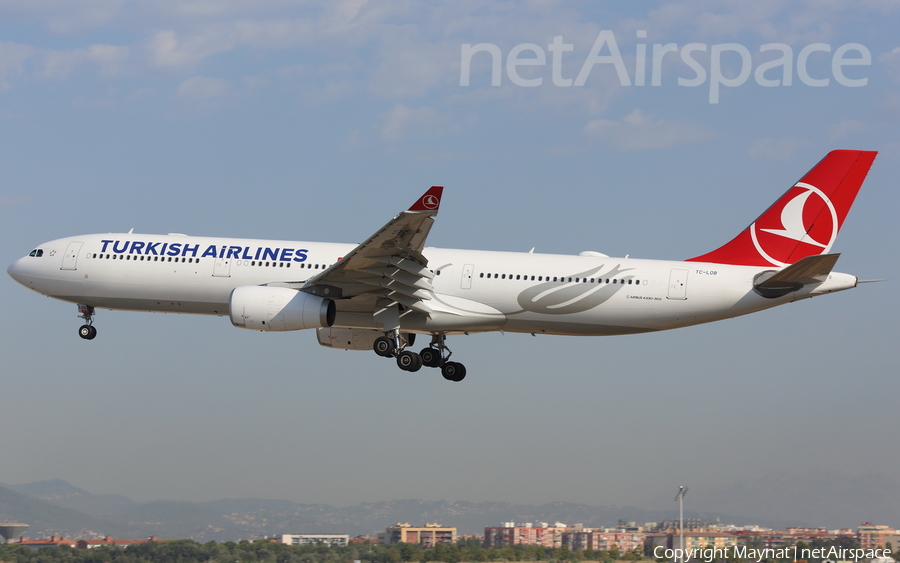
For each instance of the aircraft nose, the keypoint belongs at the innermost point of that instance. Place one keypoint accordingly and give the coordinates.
(16, 271)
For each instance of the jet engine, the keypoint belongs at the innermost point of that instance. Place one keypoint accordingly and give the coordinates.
(260, 307)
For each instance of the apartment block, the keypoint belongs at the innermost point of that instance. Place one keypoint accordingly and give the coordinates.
(428, 535)
(314, 539)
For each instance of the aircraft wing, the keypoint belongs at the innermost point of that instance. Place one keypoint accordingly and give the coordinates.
(388, 264)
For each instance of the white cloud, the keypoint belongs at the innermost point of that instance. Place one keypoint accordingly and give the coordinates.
(169, 51)
(639, 131)
(402, 122)
(780, 21)
(63, 16)
(844, 128)
(110, 59)
(891, 60)
(410, 68)
(12, 60)
(202, 88)
(780, 149)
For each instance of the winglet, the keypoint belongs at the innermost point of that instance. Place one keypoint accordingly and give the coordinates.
(430, 200)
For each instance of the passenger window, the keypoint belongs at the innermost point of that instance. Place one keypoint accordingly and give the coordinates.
(503, 277)
(518, 276)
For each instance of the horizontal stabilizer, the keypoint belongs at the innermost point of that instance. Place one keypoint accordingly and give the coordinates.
(809, 270)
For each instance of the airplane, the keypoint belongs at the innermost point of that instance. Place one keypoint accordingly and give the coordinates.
(380, 294)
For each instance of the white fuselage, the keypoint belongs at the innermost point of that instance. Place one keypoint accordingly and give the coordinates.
(474, 291)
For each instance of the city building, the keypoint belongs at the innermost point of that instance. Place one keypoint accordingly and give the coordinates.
(109, 540)
(873, 536)
(428, 535)
(528, 533)
(893, 541)
(52, 541)
(624, 540)
(314, 539)
(696, 539)
(57, 541)
(626, 537)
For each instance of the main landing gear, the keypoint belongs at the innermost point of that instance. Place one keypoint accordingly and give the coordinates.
(87, 330)
(393, 345)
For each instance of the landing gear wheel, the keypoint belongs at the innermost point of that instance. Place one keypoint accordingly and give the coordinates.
(384, 346)
(453, 371)
(409, 361)
(431, 357)
(87, 332)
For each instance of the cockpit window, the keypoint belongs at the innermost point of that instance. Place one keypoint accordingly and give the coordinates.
(36, 252)
(33, 252)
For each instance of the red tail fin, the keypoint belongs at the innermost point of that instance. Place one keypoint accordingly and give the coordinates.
(805, 221)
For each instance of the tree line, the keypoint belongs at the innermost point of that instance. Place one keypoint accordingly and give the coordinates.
(266, 551)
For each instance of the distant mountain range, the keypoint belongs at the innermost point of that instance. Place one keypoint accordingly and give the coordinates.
(822, 498)
(56, 507)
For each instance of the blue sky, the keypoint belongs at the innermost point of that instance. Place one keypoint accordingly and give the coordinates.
(319, 121)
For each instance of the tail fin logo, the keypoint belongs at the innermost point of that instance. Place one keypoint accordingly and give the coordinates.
(802, 221)
(430, 201)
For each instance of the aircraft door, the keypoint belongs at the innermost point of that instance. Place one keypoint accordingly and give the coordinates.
(222, 268)
(678, 284)
(70, 258)
(466, 281)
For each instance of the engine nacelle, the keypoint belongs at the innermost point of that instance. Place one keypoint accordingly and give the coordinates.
(259, 307)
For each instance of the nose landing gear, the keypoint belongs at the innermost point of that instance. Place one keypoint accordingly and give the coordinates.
(87, 330)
